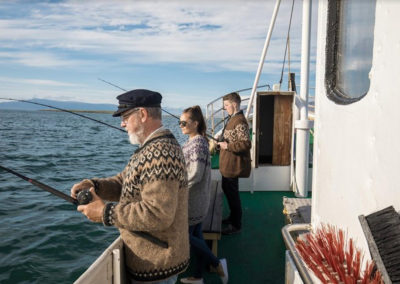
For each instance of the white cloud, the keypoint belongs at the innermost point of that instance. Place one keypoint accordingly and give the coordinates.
(215, 33)
(38, 59)
(45, 40)
(37, 82)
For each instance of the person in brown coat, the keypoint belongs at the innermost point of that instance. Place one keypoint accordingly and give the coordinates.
(149, 198)
(234, 160)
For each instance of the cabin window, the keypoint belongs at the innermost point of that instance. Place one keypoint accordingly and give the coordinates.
(350, 40)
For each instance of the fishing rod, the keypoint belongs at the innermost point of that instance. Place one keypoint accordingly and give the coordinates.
(65, 110)
(208, 135)
(84, 116)
(83, 197)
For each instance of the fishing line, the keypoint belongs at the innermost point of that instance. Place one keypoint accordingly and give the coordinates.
(84, 197)
(65, 110)
(127, 90)
(209, 136)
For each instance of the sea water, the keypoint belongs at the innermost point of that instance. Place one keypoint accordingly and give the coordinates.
(43, 239)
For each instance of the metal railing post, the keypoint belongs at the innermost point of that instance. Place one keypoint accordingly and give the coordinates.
(289, 242)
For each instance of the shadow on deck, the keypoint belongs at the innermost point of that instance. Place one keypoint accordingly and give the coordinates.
(257, 254)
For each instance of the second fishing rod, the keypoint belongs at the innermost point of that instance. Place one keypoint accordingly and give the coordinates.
(87, 117)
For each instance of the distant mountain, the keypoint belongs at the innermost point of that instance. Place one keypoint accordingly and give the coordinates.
(68, 105)
(60, 104)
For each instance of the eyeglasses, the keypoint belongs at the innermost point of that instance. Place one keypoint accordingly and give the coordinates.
(182, 123)
(125, 117)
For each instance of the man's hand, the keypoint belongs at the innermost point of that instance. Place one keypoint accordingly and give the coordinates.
(223, 145)
(93, 210)
(85, 184)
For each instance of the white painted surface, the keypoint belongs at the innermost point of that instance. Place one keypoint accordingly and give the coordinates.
(292, 275)
(264, 178)
(101, 271)
(356, 146)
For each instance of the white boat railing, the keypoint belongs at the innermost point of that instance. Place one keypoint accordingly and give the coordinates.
(215, 114)
(290, 244)
(109, 267)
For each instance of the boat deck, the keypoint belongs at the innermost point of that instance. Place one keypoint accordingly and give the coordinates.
(257, 254)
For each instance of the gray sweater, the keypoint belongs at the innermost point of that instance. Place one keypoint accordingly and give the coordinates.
(197, 160)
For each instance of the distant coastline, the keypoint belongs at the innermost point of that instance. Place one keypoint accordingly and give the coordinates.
(44, 104)
(74, 110)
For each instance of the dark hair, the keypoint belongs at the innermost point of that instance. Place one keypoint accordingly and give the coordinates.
(196, 114)
(233, 97)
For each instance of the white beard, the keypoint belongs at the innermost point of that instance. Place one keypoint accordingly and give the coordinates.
(134, 139)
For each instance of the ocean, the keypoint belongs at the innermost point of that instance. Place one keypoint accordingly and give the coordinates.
(43, 239)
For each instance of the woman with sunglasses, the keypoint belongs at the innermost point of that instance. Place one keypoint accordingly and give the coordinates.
(197, 159)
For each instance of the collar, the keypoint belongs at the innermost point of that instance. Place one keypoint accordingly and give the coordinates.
(152, 134)
(236, 113)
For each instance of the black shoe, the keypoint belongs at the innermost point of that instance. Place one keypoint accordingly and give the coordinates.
(226, 221)
(230, 230)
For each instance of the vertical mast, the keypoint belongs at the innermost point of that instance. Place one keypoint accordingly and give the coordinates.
(303, 125)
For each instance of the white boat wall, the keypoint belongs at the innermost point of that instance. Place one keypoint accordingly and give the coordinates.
(356, 144)
(108, 268)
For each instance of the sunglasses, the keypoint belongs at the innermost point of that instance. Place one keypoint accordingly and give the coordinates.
(182, 123)
(125, 117)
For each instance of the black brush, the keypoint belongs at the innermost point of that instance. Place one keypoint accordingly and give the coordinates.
(382, 230)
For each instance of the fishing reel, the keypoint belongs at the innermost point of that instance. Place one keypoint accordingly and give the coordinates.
(84, 197)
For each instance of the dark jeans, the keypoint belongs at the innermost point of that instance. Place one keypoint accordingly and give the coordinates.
(204, 255)
(230, 186)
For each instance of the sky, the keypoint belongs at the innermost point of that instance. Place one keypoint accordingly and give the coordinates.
(190, 51)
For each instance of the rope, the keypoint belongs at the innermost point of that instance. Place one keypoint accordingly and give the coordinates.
(287, 44)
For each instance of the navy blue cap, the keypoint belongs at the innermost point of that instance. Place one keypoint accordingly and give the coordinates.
(137, 98)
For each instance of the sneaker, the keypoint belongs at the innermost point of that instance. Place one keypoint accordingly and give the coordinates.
(222, 270)
(192, 280)
(230, 230)
(226, 221)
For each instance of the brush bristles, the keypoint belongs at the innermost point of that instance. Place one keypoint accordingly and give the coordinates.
(334, 259)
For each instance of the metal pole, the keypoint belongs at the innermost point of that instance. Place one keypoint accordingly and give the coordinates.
(261, 63)
(303, 125)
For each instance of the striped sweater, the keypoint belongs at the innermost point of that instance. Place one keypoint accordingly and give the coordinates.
(197, 159)
(151, 194)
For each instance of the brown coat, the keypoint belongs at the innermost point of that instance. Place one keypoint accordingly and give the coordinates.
(152, 197)
(235, 161)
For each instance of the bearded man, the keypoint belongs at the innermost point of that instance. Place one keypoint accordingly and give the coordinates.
(148, 200)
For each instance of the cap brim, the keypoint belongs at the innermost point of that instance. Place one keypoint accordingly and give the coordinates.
(120, 111)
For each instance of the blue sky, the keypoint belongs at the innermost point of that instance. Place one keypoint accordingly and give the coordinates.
(190, 51)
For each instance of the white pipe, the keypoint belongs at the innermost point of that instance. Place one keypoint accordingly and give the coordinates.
(303, 125)
(261, 63)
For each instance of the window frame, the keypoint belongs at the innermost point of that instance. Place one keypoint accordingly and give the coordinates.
(331, 65)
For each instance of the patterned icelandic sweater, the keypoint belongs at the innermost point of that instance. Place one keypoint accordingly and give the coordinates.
(152, 197)
(235, 161)
(197, 158)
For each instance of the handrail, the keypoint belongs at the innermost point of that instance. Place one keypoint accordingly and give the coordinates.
(211, 112)
(292, 248)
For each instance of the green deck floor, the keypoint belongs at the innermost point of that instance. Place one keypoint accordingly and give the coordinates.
(257, 254)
